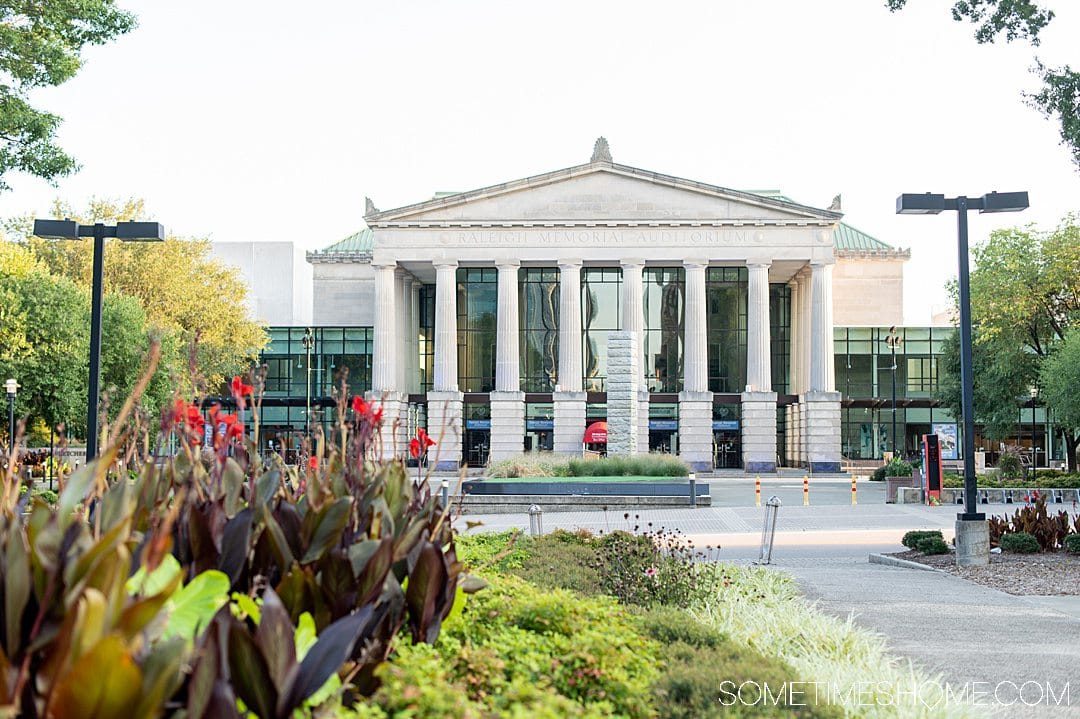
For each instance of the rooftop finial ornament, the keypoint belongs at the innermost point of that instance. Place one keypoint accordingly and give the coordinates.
(601, 152)
(369, 207)
(835, 206)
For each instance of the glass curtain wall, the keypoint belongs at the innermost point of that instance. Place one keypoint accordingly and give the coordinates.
(477, 302)
(539, 327)
(601, 310)
(427, 337)
(780, 339)
(725, 296)
(664, 298)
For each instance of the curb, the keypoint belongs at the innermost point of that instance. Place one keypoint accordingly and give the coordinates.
(904, 563)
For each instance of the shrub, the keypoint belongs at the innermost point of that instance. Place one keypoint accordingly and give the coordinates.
(669, 625)
(553, 562)
(1072, 544)
(1019, 543)
(654, 567)
(648, 465)
(1009, 464)
(912, 538)
(1048, 530)
(530, 464)
(895, 468)
(932, 545)
(494, 551)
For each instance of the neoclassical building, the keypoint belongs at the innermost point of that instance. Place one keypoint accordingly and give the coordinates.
(501, 317)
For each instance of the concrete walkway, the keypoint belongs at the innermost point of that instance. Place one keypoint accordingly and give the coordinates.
(964, 631)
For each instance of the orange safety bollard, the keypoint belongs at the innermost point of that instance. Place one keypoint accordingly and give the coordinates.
(757, 491)
(854, 501)
(806, 491)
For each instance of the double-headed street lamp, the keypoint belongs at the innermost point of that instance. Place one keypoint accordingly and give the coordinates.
(1034, 451)
(308, 341)
(972, 539)
(894, 341)
(125, 232)
(12, 388)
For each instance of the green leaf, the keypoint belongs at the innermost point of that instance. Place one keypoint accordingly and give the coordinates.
(16, 586)
(150, 584)
(247, 606)
(329, 523)
(192, 608)
(103, 683)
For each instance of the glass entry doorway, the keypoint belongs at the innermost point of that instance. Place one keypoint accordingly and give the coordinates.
(727, 449)
(477, 442)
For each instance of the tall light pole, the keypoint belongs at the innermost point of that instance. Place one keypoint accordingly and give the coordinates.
(894, 341)
(1034, 451)
(309, 343)
(125, 232)
(972, 533)
(12, 387)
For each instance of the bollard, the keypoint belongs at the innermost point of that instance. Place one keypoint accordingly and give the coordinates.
(806, 491)
(757, 491)
(768, 530)
(444, 488)
(854, 501)
(536, 520)
(693, 489)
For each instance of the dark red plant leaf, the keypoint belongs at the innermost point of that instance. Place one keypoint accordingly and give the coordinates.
(205, 522)
(326, 527)
(250, 672)
(371, 571)
(235, 539)
(332, 649)
(426, 594)
(275, 637)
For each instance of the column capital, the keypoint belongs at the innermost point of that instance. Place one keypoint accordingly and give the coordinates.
(695, 264)
(758, 264)
(402, 273)
(568, 263)
(632, 262)
(508, 263)
(793, 282)
(384, 264)
(823, 262)
(444, 263)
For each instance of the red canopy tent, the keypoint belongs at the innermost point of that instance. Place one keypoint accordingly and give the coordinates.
(596, 433)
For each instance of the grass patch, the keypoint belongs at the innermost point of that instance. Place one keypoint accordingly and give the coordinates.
(545, 464)
(629, 479)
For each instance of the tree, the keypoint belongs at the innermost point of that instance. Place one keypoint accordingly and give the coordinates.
(40, 45)
(1024, 19)
(45, 343)
(1059, 381)
(182, 288)
(1025, 299)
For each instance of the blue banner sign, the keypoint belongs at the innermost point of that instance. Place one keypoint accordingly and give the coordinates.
(540, 424)
(663, 424)
(725, 424)
(478, 424)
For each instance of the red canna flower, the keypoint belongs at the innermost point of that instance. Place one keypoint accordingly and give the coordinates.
(313, 463)
(360, 406)
(240, 390)
(424, 439)
(414, 448)
(235, 430)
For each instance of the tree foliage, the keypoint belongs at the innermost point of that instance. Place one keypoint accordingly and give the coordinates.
(1059, 97)
(1025, 300)
(41, 45)
(1059, 382)
(178, 283)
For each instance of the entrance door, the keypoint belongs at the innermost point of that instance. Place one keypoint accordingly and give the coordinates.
(477, 445)
(727, 448)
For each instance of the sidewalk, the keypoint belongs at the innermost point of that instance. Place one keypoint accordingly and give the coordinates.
(967, 632)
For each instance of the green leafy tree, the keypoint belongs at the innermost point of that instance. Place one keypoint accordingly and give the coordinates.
(1059, 97)
(184, 290)
(40, 46)
(1025, 298)
(1059, 381)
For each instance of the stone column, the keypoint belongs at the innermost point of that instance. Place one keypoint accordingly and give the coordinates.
(445, 400)
(633, 320)
(569, 399)
(695, 401)
(804, 361)
(507, 401)
(758, 401)
(821, 424)
(384, 373)
(624, 376)
(401, 336)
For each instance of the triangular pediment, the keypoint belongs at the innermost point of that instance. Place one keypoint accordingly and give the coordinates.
(601, 192)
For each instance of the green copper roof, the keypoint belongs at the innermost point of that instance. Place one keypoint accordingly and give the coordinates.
(359, 242)
(845, 237)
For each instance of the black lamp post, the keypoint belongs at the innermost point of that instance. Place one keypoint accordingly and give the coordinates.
(309, 343)
(894, 341)
(125, 232)
(12, 387)
(1034, 451)
(933, 204)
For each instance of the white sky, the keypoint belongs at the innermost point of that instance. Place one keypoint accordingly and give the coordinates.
(273, 120)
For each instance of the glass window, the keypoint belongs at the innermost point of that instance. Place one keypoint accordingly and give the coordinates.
(601, 313)
(780, 335)
(664, 295)
(725, 296)
(539, 327)
(427, 337)
(477, 300)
